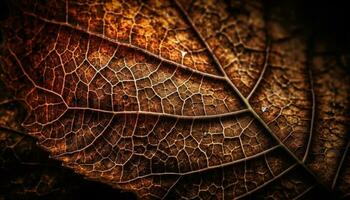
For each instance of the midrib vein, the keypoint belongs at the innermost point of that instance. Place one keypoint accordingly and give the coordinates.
(246, 101)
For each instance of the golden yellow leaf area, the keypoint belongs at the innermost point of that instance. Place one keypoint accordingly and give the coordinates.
(179, 99)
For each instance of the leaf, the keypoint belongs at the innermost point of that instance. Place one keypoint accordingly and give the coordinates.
(180, 99)
(28, 173)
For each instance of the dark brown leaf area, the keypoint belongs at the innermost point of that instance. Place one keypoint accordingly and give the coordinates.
(171, 100)
(28, 173)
